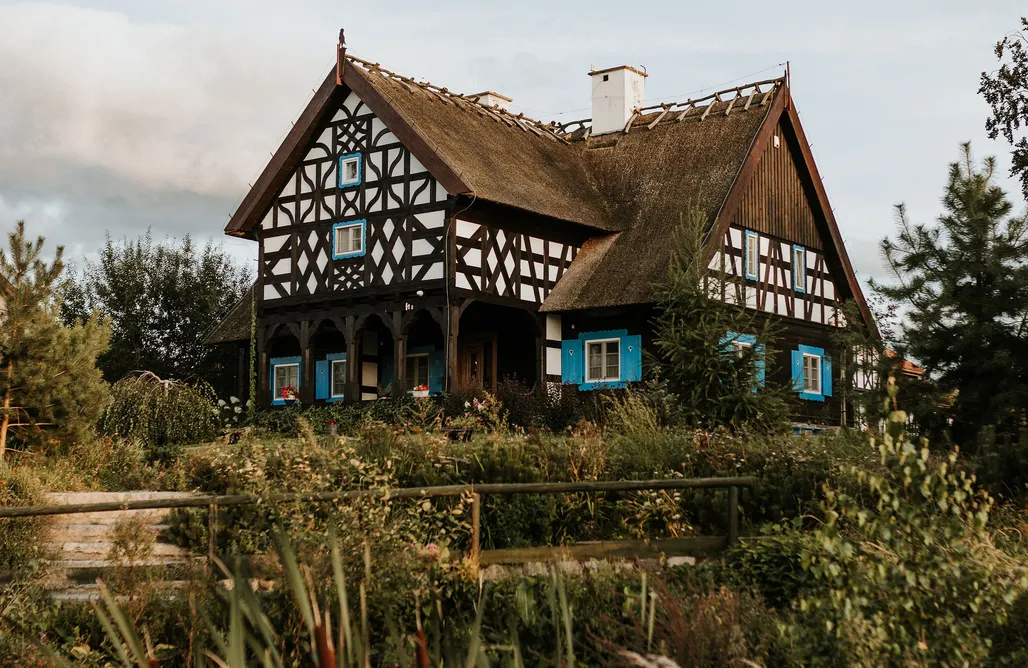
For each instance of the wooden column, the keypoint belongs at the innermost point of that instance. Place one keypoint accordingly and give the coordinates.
(263, 387)
(307, 379)
(243, 373)
(452, 329)
(353, 359)
(399, 355)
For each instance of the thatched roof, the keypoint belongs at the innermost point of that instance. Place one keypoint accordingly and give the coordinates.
(651, 178)
(630, 188)
(235, 326)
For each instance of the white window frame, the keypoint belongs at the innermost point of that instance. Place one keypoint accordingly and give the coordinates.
(332, 379)
(347, 227)
(343, 163)
(588, 367)
(739, 347)
(427, 373)
(817, 376)
(277, 390)
(799, 268)
(751, 270)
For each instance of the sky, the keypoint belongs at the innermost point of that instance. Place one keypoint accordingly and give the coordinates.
(119, 116)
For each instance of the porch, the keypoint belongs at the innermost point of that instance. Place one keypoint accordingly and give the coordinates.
(394, 350)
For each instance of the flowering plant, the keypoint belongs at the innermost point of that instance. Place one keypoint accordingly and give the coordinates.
(289, 392)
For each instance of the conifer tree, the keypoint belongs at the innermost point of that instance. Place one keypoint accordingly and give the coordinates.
(717, 383)
(50, 386)
(964, 284)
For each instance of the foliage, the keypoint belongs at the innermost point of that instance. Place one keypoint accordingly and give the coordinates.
(912, 578)
(160, 414)
(51, 389)
(161, 299)
(21, 538)
(1006, 91)
(693, 351)
(964, 283)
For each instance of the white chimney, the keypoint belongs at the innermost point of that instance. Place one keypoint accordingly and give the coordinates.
(492, 99)
(617, 92)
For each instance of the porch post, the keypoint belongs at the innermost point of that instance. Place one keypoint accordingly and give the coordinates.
(399, 355)
(452, 329)
(353, 361)
(263, 388)
(307, 380)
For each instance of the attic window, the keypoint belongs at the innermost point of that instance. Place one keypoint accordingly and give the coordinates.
(350, 170)
(799, 268)
(606, 77)
(348, 239)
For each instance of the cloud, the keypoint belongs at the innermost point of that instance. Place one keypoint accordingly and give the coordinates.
(162, 106)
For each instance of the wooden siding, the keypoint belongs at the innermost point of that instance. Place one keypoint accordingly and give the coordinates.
(776, 203)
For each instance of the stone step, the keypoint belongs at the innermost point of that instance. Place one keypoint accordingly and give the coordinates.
(90, 532)
(152, 515)
(90, 550)
(91, 592)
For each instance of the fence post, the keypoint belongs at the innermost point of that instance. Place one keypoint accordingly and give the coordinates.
(733, 515)
(476, 526)
(212, 532)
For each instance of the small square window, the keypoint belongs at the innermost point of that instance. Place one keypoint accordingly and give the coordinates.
(603, 361)
(811, 373)
(338, 379)
(350, 170)
(348, 239)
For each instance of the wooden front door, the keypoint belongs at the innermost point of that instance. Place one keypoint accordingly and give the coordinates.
(476, 361)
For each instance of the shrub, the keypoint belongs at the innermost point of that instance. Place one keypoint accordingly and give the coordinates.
(911, 578)
(160, 414)
(21, 539)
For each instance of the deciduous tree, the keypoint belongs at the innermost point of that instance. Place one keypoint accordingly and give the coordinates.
(161, 299)
(1006, 91)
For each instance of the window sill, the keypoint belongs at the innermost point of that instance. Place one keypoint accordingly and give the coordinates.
(604, 385)
(811, 396)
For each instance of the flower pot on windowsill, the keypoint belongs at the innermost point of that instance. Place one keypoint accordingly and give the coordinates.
(460, 434)
(418, 393)
(289, 402)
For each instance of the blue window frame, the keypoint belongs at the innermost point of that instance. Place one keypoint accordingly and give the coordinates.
(751, 255)
(811, 373)
(602, 360)
(799, 268)
(738, 342)
(349, 239)
(285, 372)
(351, 170)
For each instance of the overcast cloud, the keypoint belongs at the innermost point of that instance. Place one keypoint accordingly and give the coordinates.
(118, 116)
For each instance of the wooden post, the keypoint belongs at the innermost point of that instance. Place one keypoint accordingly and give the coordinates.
(307, 379)
(212, 532)
(453, 327)
(476, 527)
(353, 359)
(733, 515)
(399, 355)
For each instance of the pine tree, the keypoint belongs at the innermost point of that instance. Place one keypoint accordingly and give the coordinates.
(49, 382)
(964, 285)
(717, 384)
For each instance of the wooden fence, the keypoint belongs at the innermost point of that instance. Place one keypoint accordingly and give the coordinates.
(624, 549)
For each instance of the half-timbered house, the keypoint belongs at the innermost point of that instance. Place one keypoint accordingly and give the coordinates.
(415, 240)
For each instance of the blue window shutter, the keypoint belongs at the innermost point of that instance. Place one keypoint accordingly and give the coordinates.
(631, 358)
(572, 367)
(826, 376)
(435, 371)
(797, 370)
(321, 379)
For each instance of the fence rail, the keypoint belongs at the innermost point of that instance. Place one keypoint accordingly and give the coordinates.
(699, 546)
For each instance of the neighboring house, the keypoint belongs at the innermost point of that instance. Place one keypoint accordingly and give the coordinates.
(414, 240)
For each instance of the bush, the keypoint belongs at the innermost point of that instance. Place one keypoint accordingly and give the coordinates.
(160, 414)
(911, 577)
(21, 539)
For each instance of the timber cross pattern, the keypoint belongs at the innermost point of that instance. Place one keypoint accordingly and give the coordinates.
(705, 546)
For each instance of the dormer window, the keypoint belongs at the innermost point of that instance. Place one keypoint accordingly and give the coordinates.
(350, 170)
(348, 239)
